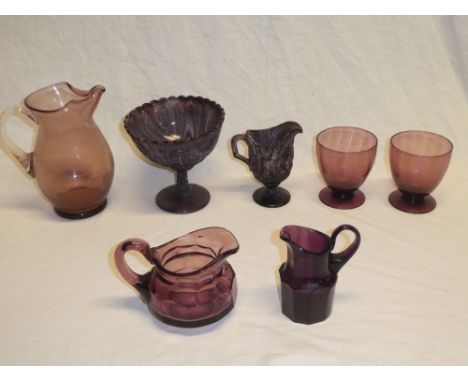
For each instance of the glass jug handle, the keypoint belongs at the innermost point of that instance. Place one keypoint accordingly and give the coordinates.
(337, 260)
(24, 159)
(133, 278)
(234, 149)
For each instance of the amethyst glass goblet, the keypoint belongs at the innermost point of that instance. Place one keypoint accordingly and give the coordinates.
(418, 160)
(345, 156)
(177, 132)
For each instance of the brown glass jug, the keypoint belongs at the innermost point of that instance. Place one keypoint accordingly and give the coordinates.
(71, 161)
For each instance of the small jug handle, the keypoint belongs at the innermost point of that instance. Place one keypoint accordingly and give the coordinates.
(133, 278)
(337, 260)
(24, 159)
(234, 149)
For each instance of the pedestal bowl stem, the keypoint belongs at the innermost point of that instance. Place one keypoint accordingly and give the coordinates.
(182, 185)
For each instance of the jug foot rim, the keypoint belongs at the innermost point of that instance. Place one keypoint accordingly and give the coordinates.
(308, 322)
(81, 215)
(191, 324)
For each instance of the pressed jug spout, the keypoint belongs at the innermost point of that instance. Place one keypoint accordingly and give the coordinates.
(294, 128)
(290, 129)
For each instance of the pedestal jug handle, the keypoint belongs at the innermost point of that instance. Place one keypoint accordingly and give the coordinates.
(337, 260)
(234, 149)
(133, 278)
(24, 159)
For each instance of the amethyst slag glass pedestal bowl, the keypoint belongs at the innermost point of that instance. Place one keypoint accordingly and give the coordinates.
(177, 132)
(418, 160)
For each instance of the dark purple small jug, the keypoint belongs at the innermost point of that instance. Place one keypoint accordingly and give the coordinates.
(309, 275)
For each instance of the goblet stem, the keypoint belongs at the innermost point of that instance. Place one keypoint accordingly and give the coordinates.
(413, 198)
(182, 185)
(342, 194)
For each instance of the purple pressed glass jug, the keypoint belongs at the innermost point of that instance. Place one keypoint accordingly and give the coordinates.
(309, 275)
(191, 283)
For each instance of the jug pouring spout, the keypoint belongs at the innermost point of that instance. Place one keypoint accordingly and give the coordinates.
(286, 132)
(94, 96)
(291, 128)
(81, 101)
(285, 235)
(306, 240)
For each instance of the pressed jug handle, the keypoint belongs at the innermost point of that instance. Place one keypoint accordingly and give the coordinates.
(128, 274)
(337, 260)
(23, 158)
(234, 149)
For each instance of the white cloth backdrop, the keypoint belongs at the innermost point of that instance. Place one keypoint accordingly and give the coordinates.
(401, 300)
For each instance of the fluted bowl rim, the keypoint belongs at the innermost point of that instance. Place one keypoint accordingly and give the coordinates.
(216, 127)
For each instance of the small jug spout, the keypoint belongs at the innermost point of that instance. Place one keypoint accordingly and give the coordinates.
(307, 251)
(307, 239)
(284, 234)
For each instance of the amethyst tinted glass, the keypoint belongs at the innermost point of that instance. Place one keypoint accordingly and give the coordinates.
(345, 155)
(309, 275)
(71, 161)
(191, 283)
(418, 160)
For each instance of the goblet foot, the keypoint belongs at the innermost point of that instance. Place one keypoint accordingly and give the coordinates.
(271, 197)
(348, 201)
(168, 200)
(81, 215)
(412, 206)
